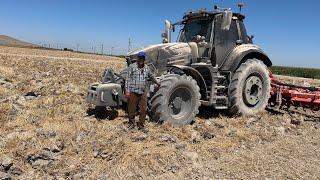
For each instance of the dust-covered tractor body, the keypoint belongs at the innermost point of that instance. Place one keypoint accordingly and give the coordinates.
(213, 63)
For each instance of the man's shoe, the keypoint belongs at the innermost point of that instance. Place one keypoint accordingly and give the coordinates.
(131, 126)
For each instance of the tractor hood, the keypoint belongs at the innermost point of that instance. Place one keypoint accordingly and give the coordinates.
(162, 55)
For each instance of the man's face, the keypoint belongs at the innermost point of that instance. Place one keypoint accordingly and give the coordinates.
(140, 62)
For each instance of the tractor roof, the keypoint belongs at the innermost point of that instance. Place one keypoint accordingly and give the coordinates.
(204, 13)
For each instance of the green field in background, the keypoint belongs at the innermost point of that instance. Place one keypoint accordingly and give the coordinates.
(298, 72)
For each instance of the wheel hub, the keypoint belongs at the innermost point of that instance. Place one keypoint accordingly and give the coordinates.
(253, 90)
(177, 102)
(180, 102)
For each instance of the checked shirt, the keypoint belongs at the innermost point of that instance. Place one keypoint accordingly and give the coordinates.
(137, 77)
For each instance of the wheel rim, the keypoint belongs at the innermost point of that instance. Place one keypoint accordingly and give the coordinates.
(179, 104)
(252, 90)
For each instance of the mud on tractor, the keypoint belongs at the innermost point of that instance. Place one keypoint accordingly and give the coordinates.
(213, 63)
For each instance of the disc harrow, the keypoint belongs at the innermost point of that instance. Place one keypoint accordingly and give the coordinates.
(289, 98)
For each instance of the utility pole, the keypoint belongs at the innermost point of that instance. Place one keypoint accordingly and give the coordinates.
(129, 45)
(102, 49)
(77, 47)
(112, 50)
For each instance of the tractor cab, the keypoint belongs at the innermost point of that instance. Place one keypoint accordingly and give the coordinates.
(216, 33)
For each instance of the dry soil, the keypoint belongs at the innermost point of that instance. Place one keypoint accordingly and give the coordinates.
(46, 132)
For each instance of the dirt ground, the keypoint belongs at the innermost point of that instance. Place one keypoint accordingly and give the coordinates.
(46, 133)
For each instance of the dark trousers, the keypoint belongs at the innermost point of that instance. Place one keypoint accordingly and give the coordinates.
(135, 101)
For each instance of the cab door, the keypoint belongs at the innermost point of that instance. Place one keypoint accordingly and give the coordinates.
(224, 40)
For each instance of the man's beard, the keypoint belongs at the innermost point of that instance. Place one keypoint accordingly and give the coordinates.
(140, 65)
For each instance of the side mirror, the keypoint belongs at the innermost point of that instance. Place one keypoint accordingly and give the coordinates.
(226, 20)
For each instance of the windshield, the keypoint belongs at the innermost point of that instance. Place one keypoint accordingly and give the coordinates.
(196, 27)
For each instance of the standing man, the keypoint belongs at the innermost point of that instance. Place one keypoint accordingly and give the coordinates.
(136, 90)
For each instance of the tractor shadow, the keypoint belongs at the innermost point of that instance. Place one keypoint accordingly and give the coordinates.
(102, 113)
(206, 112)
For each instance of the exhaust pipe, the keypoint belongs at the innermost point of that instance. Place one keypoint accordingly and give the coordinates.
(166, 36)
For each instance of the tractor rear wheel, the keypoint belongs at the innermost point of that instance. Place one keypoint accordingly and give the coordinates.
(249, 90)
(177, 100)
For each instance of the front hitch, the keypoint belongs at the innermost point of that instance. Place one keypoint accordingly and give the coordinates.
(108, 93)
(108, 76)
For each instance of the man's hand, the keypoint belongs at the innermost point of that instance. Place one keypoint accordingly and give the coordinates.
(127, 95)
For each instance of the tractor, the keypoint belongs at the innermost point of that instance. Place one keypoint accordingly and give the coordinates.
(213, 63)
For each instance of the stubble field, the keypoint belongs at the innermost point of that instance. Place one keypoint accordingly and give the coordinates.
(46, 133)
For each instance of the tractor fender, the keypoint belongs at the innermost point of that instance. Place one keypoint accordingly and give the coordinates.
(242, 53)
(195, 75)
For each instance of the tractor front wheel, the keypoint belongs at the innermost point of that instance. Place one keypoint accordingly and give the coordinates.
(177, 100)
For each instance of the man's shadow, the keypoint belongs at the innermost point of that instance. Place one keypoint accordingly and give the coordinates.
(102, 113)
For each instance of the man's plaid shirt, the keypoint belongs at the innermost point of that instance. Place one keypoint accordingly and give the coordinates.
(136, 78)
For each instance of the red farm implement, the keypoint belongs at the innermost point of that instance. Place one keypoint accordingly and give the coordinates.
(294, 98)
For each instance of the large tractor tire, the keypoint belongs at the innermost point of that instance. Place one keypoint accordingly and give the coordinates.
(177, 100)
(249, 90)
